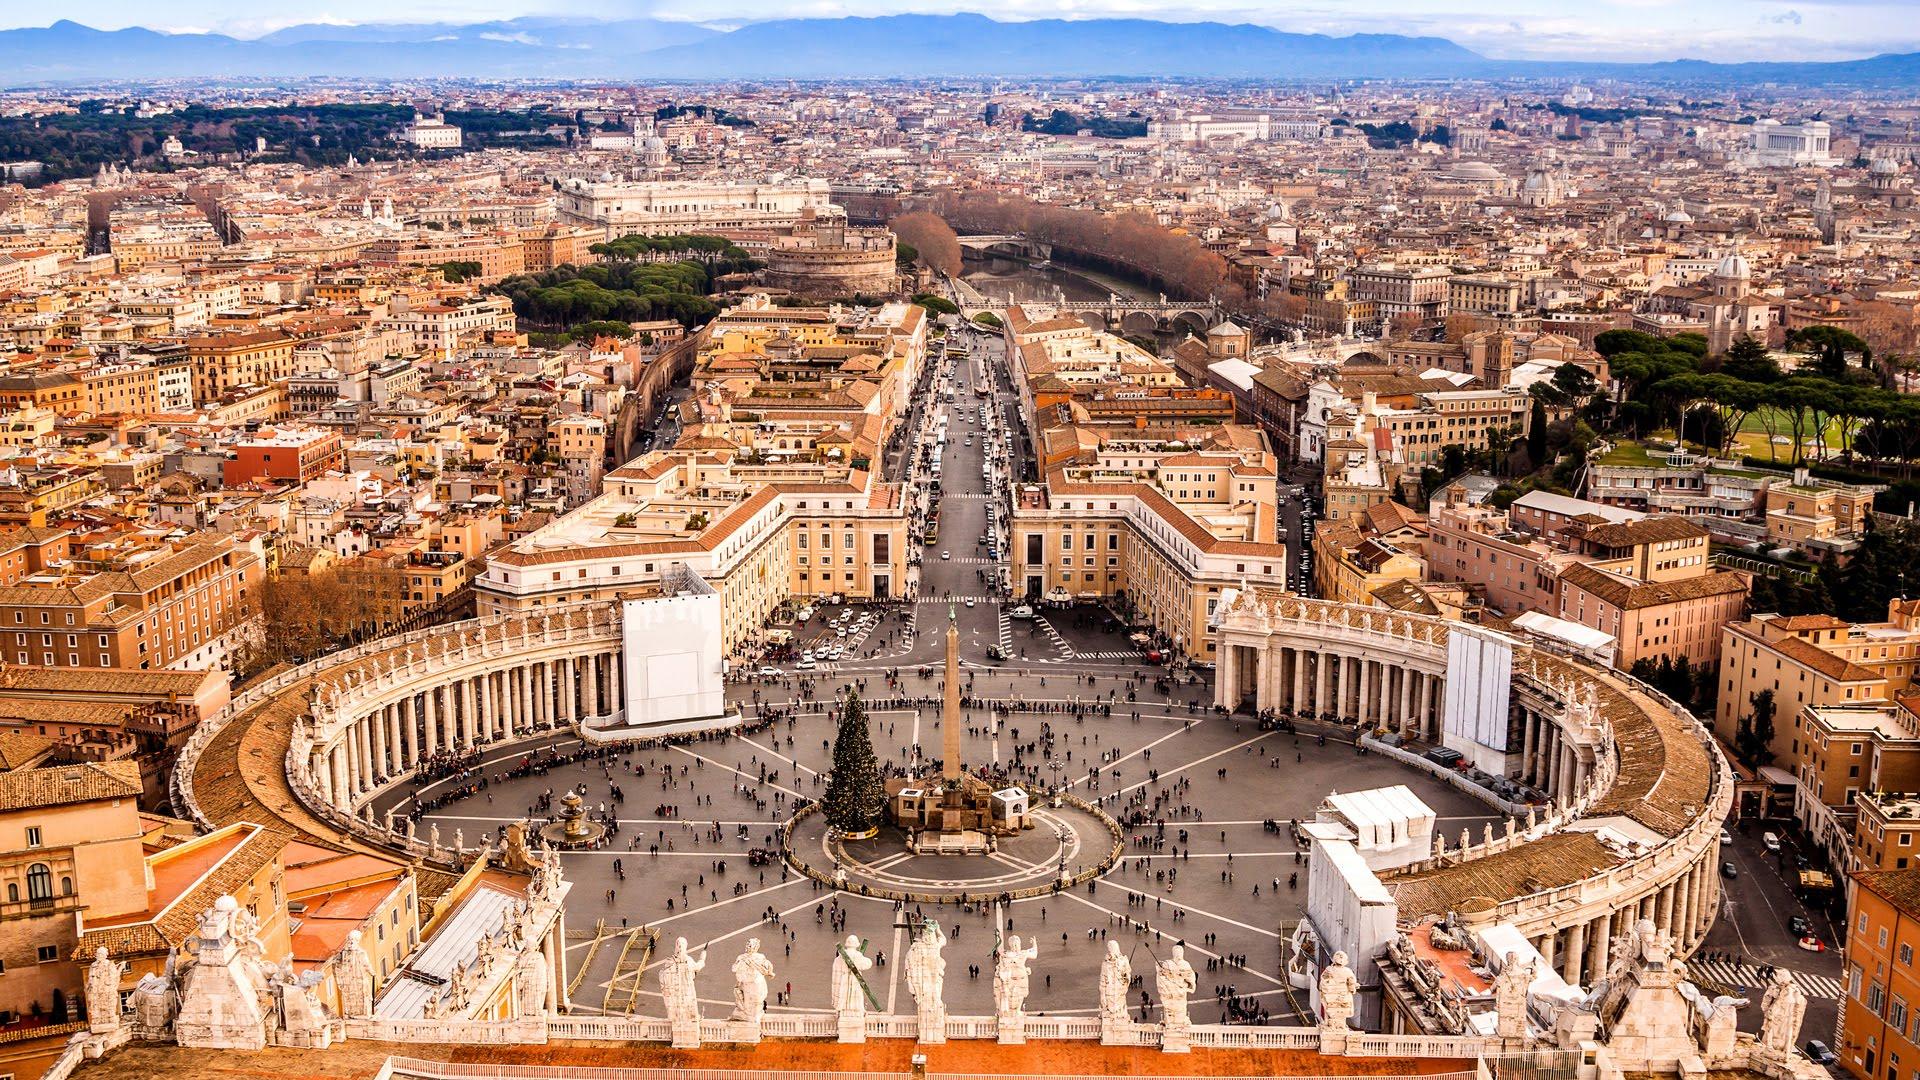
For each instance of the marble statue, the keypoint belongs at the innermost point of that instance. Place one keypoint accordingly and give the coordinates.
(1781, 1010)
(927, 976)
(676, 984)
(103, 992)
(751, 970)
(1116, 978)
(1174, 979)
(1011, 979)
(353, 978)
(530, 983)
(1510, 989)
(1337, 989)
(848, 985)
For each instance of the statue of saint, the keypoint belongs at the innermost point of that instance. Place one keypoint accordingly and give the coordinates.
(353, 978)
(1116, 978)
(927, 972)
(1337, 989)
(751, 970)
(103, 993)
(1011, 979)
(1781, 1011)
(530, 983)
(676, 984)
(1173, 978)
(1510, 997)
(848, 985)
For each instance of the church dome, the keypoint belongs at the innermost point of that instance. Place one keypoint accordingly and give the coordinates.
(1733, 266)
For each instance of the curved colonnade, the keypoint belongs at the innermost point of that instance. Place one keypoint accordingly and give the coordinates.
(1636, 790)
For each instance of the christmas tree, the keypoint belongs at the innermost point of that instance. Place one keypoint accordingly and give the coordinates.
(855, 795)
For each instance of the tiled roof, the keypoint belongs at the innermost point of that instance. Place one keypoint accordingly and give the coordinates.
(1629, 595)
(65, 785)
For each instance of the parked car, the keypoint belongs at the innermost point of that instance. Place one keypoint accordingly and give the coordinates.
(1818, 1053)
(1771, 841)
(1021, 612)
(1800, 925)
(1726, 838)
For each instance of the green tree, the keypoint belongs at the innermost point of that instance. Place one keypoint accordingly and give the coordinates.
(1537, 434)
(1753, 736)
(1749, 361)
(855, 795)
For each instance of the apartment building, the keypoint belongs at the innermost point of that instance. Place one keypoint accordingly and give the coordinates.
(135, 604)
(226, 362)
(1880, 988)
(1813, 660)
(1155, 525)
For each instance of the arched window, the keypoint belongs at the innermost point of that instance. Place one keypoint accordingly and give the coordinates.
(13, 892)
(39, 882)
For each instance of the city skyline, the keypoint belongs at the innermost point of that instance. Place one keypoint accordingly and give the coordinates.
(1609, 31)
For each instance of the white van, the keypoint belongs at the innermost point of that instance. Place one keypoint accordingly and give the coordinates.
(1771, 841)
(804, 614)
(1021, 612)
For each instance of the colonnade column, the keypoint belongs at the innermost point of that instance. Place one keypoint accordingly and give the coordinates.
(429, 721)
(1576, 952)
(1428, 725)
(569, 693)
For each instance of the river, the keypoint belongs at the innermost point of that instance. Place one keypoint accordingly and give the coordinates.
(996, 277)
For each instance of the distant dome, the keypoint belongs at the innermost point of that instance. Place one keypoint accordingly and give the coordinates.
(1472, 170)
(1536, 181)
(1733, 266)
(1279, 212)
(1227, 329)
(1680, 217)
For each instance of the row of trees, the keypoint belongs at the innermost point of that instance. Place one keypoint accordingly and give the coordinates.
(931, 238)
(1841, 394)
(709, 249)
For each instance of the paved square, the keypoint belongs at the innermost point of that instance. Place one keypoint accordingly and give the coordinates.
(1196, 791)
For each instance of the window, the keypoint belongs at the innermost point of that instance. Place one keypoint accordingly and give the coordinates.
(47, 954)
(33, 836)
(39, 882)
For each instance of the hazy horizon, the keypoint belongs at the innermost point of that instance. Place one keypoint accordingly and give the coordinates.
(1596, 30)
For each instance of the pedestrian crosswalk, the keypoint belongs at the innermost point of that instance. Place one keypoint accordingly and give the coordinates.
(1741, 977)
(943, 601)
(1115, 654)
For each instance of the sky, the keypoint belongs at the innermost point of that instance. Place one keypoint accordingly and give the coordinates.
(1721, 30)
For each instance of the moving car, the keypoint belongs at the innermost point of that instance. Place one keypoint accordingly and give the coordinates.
(770, 673)
(969, 601)
(1728, 870)
(1800, 925)
(1818, 1053)
(1021, 612)
(945, 555)
(806, 664)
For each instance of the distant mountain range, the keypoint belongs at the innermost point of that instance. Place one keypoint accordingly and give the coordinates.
(898, 46)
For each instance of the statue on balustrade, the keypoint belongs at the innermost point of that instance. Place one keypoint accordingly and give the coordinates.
(1116, 977)
(751, 970)
(1174, 980)
(103, 992)
(1338, 987)
(677, 984)
(927, 977)
(1011, 980)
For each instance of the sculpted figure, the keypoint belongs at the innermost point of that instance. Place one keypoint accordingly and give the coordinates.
(676, 984)
(1011, 979)
(849, 992)
(1510, 997)
(1175, 981)
(927, 972)
(1337, 989)
(1116, 977)
(751, 970)
(103, 992)
(1781, 1011)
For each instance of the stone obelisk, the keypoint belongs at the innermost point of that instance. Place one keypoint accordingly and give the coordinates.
(950, 768)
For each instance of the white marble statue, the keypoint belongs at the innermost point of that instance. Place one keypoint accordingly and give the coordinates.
(353, 978)
(1011, 979)
(530, 983)
(927, 974)
(1174, 980)
(676, 984)
(1337, 989)
(1781, 1011)
(155, 1003)
(103, 992)
(1510, 989)
(1116, 978)
(849, 992)
(751, 970)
